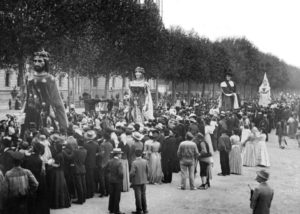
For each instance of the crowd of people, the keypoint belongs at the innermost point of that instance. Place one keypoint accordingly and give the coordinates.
(102, 154)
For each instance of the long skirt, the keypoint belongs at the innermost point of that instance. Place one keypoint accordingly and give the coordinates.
(249, 156)
(155, 170)
(262, 155)
(126, 175)
(235, 160)
(59, 195)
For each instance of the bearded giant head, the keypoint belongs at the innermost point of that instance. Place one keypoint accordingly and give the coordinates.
(41, 61)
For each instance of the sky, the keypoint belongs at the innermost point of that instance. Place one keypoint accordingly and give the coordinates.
(273, 26)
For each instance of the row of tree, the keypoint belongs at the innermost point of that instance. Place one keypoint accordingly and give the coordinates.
(112, 37)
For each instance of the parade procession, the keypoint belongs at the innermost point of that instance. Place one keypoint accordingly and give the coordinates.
(113, 106)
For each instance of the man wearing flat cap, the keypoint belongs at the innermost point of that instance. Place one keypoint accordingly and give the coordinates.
(261, 196)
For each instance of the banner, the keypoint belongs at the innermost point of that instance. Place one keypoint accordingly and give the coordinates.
(264, 92)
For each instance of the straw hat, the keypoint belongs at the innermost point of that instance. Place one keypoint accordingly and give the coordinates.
(90, 135)
(137, 136)
(116, 151)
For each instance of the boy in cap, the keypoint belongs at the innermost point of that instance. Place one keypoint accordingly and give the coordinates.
(261, 196)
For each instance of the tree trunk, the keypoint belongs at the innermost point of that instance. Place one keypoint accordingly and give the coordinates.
(123, 86)
(20, 80)
(91, 87)
(251, 92)
(156, 92)
(73, 87)
(244, 91)
(173, 91)
(203, 89)
(189, 91)
(107, 77)
(213, 90)
(68, 99)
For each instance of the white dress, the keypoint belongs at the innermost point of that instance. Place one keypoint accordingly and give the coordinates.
(262, 155)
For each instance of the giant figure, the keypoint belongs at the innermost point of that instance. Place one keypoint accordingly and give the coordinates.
(140, 98)
(43, 105)
(229, 97)
(264, 92)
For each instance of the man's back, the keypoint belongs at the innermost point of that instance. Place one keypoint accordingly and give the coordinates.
(139, 171)
(261, 199)
(187, 149)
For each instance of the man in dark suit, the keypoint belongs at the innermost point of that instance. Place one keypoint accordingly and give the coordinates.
(106, 148)
(168, 155)
(90, 163)
(224, 147)
(139, 178)
(261, 196)
(115, 173)
(79, 157)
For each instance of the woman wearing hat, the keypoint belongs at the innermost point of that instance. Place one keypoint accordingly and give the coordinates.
(155, 170)
(59, 194)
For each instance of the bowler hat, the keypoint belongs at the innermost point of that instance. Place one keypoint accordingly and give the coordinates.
(263, 174)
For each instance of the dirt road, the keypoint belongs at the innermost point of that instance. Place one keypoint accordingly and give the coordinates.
(228, 195)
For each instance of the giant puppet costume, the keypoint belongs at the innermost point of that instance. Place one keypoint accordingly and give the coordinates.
(264, 92)
(44, 106)
(229, 97)
(140, 98)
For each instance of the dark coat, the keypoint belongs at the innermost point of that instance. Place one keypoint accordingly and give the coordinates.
(79, 158)
(261, 199)
(224, 143)
(115, 171)
(6, 160)
(92, 148)
(105, 149)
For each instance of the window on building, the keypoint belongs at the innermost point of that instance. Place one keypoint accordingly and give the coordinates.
(7, 78)
(95, 82)
(60, 81)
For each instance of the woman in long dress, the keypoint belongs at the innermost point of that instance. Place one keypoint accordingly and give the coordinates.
(124, 160)
(59, 194)
(235, 156)
(155, 170)
(262, 155)
(140, 98)
(248, 141)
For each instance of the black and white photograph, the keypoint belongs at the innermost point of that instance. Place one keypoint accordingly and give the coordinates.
(149, 107)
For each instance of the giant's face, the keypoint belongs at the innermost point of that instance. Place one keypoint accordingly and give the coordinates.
(138, 75)
(38, 64)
